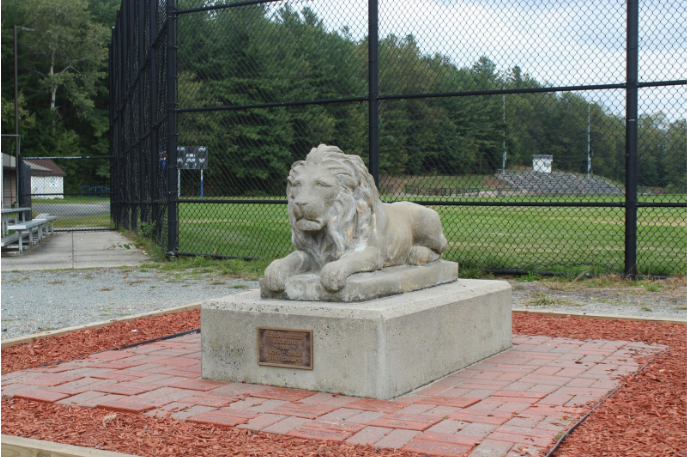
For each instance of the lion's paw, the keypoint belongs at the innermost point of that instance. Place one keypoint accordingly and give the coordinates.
(275, 279)
(333, 277)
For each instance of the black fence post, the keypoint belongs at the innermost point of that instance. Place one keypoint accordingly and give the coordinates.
(373, 103)
(125, 118)
(113, 159)
(19, 162)
(115, 182)
(121, 189)
(171, 130)
(141, 112)
(154, 149)
(131, 67)
(631, 139)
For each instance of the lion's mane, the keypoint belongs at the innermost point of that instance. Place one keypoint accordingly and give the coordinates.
(351, 218)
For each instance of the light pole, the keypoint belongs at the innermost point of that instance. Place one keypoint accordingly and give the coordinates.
(16, 90)
(589, 141)
(503, 162)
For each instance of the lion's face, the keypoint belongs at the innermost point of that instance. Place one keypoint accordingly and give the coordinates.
(312, 193)
(331, 203)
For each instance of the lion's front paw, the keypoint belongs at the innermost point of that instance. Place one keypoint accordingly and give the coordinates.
(275, 277)
(333, 277)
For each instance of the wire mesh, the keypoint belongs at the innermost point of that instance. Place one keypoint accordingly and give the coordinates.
(509, 117)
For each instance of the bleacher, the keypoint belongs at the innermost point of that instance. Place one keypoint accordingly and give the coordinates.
(538, 183)
(22, 234)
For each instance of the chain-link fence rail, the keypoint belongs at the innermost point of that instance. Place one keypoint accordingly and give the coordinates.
(549, 136)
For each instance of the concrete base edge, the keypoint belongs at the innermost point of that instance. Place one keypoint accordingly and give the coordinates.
(15, 446)
(611, 317)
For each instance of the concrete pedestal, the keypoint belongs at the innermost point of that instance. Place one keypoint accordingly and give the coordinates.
(381, 348)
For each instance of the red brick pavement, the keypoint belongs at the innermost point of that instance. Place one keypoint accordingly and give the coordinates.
(515, 401)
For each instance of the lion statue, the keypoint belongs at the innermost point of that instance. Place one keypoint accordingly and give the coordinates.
(340, 226)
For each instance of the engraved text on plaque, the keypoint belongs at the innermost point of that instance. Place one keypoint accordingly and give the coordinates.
(278, 347)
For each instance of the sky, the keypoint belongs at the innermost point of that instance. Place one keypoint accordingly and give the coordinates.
(560, 43)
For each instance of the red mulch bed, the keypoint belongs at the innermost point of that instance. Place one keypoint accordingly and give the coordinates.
(147, 436)
(646, 417)
(79, 344)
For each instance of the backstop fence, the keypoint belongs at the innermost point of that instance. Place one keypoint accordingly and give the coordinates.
(549, 136)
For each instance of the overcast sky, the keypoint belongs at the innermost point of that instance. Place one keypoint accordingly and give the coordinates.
(561, 42)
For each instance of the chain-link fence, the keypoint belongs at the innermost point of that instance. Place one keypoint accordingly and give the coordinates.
(549, 136)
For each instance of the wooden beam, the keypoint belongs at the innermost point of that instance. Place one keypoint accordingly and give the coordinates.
(600, 316)
(14, 446)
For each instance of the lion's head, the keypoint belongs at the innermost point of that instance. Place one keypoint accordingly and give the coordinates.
(332, 200)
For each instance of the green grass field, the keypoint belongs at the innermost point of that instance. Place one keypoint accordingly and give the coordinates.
(100, 221)
(566, 239)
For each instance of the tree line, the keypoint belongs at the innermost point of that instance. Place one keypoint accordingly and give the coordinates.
(257, 55)
(260, 54)
(63, 82)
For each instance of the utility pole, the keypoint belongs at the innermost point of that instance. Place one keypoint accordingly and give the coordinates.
(589, 139)
(16, 90)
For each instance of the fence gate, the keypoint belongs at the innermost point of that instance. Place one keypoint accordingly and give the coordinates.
(75, 189)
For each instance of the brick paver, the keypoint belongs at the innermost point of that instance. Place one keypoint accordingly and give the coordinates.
(397, 438)
(441, 444)
(369, 435)
(510, 404)
(312, 432)
(129, 404)
(418, 422)
(280, 393)
(223, 417)
(262, 421)
(41, 395)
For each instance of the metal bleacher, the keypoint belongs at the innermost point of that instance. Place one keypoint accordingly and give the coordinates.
(539, 183)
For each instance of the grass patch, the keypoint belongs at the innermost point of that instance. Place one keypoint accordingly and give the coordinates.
(529, 277)
(199, 266)
(646, 308)
(471, 273)
(544, 300)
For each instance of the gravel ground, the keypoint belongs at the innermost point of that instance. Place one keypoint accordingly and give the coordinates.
(665, 299)
(36, 301)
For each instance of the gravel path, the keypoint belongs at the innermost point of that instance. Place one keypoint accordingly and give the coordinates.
(36, 301)
(666, 299)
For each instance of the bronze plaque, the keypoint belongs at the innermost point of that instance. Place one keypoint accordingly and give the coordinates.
(281, 347)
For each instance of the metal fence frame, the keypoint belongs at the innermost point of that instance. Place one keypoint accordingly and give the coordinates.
(143, 41)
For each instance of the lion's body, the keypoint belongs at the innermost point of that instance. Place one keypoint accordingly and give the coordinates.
(340, 226)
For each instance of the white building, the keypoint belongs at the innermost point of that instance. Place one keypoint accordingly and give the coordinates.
(542, 163)
(47, 179)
